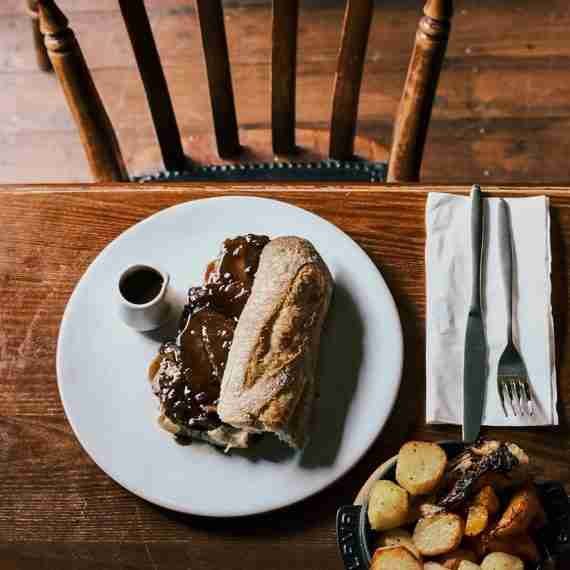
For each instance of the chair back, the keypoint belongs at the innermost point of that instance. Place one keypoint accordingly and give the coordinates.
(100, 142)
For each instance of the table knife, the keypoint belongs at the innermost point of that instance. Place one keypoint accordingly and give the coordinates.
(475, 355)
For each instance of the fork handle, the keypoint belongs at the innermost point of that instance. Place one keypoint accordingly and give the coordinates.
(506, 253)
(476, 246)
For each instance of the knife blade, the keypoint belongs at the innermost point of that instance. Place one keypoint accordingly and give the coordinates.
(475, 355)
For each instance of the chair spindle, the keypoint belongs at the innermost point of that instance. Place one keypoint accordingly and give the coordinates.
(215, 46)
(155, 86)
(414, 112)
(346, 92)
(42, 56)
(283, 74)
(97, 135)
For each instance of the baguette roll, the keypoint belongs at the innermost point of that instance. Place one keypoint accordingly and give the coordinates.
(269, 382)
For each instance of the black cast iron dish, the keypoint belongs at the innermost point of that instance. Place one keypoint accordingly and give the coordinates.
(355, 537)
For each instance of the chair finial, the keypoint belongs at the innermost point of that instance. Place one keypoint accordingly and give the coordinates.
(439, 9)
(52, 19)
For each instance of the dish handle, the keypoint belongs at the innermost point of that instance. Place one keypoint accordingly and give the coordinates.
(347, 531)
(556, 535)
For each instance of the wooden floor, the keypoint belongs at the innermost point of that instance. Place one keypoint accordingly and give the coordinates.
(502, 112)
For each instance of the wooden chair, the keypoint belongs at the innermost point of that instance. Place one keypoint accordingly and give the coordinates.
(234, 159)
(42, 57)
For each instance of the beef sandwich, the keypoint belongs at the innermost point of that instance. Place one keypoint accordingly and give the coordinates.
(244, 361)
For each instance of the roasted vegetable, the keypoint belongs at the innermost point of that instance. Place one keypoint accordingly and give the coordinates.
(467, 472)
(519, 514)
(501, 561)
(399, 537)
(439, 534)
(487, 498)
(477, 520)
(420, 467)
(394, 558)
(388, 505)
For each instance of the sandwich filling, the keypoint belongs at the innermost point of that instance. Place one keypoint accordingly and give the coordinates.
(187, 374)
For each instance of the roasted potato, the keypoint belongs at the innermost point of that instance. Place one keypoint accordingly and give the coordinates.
(394, 558)
(477, 520)
(420, 467)
(521, 545)
(399, 537)
(453, 559)
(467, 565)
(487, 498)
(439, 534)
(433, 566)
(501, 561)
(521, 510)
(388, 505)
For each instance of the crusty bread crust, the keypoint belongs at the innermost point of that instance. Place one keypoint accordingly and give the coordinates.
(269, 380)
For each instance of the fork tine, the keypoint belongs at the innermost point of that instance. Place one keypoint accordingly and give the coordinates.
(526, 399)
(516, 394)
(509, 386)
(516, 402)
(528, 395)
(520, 396)
(502, 396)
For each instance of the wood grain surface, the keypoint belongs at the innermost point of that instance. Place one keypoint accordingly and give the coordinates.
(501, 113)
(59, 511)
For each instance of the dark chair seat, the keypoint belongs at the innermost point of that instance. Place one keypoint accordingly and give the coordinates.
(322, 171)
(256, 162)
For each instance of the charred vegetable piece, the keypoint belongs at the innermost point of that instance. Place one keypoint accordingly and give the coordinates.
(467, 472)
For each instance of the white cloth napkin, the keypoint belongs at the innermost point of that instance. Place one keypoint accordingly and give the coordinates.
(448, 280)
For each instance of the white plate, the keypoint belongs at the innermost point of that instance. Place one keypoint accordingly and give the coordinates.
(102, 365)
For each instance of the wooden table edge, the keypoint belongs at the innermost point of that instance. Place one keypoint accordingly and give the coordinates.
(293, 188)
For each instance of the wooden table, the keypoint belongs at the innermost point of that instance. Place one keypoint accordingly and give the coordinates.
(59, 511)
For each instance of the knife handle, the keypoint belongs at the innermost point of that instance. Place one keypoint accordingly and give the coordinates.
(476, 246)
(506, 252)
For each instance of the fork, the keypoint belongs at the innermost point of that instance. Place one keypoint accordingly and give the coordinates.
(512, 377)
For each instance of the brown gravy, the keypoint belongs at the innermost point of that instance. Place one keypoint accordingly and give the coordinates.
(188, 382)
(141, 286)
